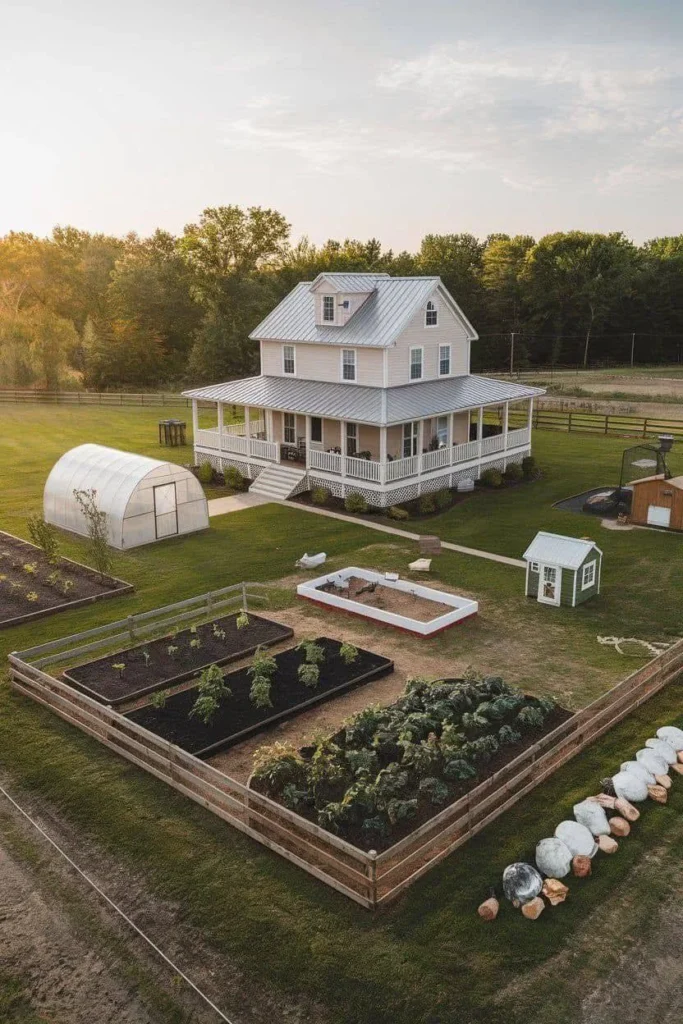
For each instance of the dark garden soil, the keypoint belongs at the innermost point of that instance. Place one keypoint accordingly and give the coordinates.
(150, 667)
(237, 716)
(398, 601)
(426, 809)
(42, 589)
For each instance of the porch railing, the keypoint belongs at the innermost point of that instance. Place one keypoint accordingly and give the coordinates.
(399, 468)
(364, 469)
(236, 444)
(328, 462)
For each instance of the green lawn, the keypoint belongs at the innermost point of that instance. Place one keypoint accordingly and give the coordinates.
(427, 959)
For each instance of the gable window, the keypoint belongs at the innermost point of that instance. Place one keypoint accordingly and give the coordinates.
(588, 575)
(431, 315)
(416, 363)
(290, 428)
(288, 363)
(348, 364)
(409, 439)
(351, 438)
(316, 428)
(444, 360)
(328, 309)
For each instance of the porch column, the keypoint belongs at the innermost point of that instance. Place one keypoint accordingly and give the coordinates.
(195, 420)
(530, 421)
(506, 424)
(220, 427)
(449, 437)
(420, 446)
(308, 442)
(247, 435)
(480, 433)
(383, 454)
(342, 445)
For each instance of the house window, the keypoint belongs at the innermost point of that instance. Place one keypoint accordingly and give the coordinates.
(328, 309)
(416, 363)
(588, 575)
(431, 315)
(290, 428)
(348, 364)
(288, 364)
(351, 438)
(409, 439)
(444, 360)
(316, 428)
(534, 566)
(442, 430)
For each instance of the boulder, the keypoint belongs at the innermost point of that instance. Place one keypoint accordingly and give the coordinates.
(672, 735)
(664, 750)
(639, 769)
(604, 799)
(553, 857)
(488, 910)
(663, 780)
(592, 815)
(619, 826)
(626, 810)
(577, 837)
(534, 908)
(658, 794)
(581, 866)
(629, 786)
(654, 762)
(555, 891)
(607, 844)
(521, 883)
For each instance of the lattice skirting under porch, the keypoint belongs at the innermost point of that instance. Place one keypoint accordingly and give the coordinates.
(249, 470)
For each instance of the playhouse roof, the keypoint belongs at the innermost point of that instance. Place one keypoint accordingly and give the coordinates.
(555, 549)
(674, 481)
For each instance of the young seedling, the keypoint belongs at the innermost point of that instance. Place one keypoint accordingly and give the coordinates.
(263, 664)
(119, 666)
(308, 674)
(172, 650)
(195, 644)
(259, 694)
(158, 700)
(31, 596)
(147, 656)
(204, 708)
(242, 620)
(211, 689)
(31, 568)
(348, 653)
(218, 633)
(66, 586)
(54, 579)
(313, 652)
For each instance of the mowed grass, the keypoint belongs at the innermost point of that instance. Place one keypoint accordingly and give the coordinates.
(427, 959)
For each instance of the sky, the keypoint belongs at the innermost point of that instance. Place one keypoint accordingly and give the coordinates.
(380, 118)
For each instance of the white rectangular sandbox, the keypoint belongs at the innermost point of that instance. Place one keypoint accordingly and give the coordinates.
(462, 607)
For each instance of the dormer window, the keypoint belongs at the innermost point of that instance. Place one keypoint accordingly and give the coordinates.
(431, 315)
(328, 309)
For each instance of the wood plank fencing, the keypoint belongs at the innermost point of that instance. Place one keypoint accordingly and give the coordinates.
(118, 398)
(571, 421)
(369, 879)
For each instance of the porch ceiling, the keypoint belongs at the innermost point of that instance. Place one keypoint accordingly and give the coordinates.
(378, 406)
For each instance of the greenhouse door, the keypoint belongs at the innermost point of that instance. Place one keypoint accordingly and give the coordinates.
(165, 511)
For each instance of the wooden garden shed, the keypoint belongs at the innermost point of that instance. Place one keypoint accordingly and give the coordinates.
(562, 570)
(658, 502)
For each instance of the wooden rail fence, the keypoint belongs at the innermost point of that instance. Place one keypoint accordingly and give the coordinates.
(369, 879)
(17, 395)
(610, 424)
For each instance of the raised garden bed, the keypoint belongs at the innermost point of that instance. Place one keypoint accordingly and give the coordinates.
(238, 717)
(390, 770)
(43, 589)
(400, 603)
(149, 666)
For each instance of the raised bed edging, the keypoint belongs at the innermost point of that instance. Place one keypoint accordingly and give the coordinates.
(463, 607)
(285, 632)
(41, 613)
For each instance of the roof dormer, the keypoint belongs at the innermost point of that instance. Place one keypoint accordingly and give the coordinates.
(338, 296)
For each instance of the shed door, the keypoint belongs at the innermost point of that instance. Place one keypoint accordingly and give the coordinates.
(549, 584)
(658, 515)
(165, 510)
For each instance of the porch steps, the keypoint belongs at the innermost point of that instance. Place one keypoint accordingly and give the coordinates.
(277, 481)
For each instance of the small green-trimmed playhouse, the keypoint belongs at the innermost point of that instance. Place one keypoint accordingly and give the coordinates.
(562, 570)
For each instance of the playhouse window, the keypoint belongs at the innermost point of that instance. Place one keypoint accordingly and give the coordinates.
(588, 575)
(534, 566)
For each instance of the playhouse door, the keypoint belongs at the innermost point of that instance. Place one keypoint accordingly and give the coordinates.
(165, 510)
(549, 584)
(658, 515)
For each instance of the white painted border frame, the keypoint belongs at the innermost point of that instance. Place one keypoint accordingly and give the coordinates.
(463, 607)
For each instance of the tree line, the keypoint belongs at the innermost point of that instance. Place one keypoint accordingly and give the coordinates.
(94, 310)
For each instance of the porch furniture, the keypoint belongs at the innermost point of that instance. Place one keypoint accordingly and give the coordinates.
(288, 453)
(429, 544)
(172, 433)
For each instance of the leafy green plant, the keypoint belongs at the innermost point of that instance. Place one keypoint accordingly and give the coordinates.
(204, 472)
(195, 644)
(119, 666)
(398, 513)
(348, 653)
(277, 766)
(146, 656)
(355, 503)
(401, 810)
(31, 596)
(211, 690)
(219, 634)
(507, 735)
(443, 499)
(481, 749)
(321, 496)
(458, 769)
(313, 652)
(66, 586)
(529, 470)
(204, 708)
(530, 718)
(309, 675)
(426, 505)
(30, 568)
(259, 692)
(53, 579)
(242, 620)
(491, 478)
(514, 473)
(434, 790)
(234, 479)
(263, 663)
(96, 525)
(158, 699)
(44, 536)
(172, 650)
(363, 762)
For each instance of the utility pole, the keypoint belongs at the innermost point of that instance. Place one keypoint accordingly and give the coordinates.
(633, 345)
(512, 352)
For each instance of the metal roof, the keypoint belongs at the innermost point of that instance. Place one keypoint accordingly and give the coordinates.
(555, 549)
(377, 324)
(354, 402)
(351, 284)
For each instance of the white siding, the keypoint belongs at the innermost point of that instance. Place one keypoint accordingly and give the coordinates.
(449, 331)
(323, 362)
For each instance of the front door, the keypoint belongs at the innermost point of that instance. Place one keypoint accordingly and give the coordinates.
(165, 510)
(549, 584)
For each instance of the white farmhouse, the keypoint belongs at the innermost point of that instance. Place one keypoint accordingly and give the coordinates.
(365, 387)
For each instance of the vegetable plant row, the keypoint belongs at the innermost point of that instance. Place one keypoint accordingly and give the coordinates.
(144, 668)
(223, 709)
(391, 768)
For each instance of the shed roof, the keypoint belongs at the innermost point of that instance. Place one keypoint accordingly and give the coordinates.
(555, 549)
(358, 403)
(674, 481)
(377, 324)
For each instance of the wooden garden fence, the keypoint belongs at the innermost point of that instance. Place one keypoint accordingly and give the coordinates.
(610, 424)
(118, 398)
(367, 878)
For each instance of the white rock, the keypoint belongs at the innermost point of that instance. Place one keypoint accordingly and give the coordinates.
(639, 769)
(672, 735)
(577, 837)
(592, 815)
(630, 786)
(553, 858)
(521, 883)
(653, 761)
(664, 750)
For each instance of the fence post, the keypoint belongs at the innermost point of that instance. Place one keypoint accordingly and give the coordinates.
(569, 423)
(244, 596)
(372, 875)
(645, 427)
(607, 423)
(131, 627)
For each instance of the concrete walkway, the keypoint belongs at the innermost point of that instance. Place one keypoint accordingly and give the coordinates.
(238, 502)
